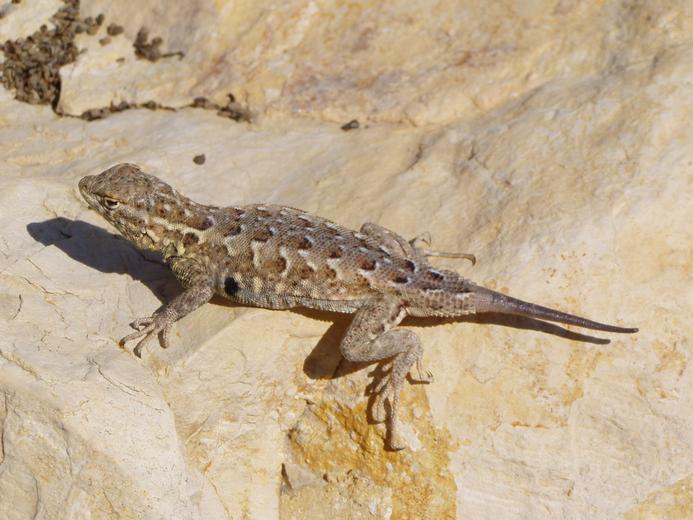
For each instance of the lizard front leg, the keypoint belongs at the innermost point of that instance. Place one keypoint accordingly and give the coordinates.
(198, 291)
(369, 338)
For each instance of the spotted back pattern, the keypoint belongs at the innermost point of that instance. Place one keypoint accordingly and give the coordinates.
(269, 255)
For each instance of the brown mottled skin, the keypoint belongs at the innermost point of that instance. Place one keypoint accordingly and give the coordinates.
(279, 257)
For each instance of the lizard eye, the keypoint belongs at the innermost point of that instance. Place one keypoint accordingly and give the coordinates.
(110, 203)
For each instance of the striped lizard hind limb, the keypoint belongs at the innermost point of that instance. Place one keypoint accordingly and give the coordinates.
(279, 257)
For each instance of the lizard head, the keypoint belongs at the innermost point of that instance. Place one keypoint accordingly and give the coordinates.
(131, 200)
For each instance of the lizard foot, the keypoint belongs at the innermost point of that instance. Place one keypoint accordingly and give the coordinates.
(426, 239)
(147, 328)
(423, 376)
(386, 390)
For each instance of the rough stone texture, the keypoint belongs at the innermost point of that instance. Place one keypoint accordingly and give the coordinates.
(20, 21)
(551, 139)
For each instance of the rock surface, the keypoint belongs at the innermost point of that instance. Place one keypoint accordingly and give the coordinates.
(552, 139)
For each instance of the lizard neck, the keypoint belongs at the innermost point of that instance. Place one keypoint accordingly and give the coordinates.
(174, 224)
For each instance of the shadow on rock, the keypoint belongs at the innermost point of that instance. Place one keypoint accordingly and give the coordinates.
(97, 248)
(325, 360)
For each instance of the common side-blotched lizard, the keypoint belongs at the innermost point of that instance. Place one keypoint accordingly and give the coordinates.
(280, 257)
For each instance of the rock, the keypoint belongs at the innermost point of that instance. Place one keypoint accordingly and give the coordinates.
(551, 140)
(19, 21)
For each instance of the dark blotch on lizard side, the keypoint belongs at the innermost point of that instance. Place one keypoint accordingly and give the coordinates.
(306, 272)
(230, 286)
(411, 266)
(202, 224)
(436, 275)
(280, 264)
(190, 239)
(335, 253)
(303, 243)
(367, 264)
(401, 279)
(207, 223)
(304, 221)
(262, 235)
(232, 230)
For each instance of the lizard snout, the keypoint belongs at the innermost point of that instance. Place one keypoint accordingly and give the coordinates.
(84, 183)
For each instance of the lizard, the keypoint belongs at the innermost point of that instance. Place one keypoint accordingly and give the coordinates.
(279, 257)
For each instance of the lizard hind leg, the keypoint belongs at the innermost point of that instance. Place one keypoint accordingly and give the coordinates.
(426, 239)
(409, 248)
(392, 241)
(370, 338)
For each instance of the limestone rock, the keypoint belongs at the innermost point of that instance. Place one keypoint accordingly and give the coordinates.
(552, 140)
(20, 21)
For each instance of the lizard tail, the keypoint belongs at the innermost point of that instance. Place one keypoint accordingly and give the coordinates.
(486, 300)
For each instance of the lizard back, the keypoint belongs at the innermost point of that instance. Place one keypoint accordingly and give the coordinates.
(279, 257)
(267, 255)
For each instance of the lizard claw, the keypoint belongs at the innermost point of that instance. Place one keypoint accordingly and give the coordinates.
(426, 239)
(446, 254)
(145, 329)
(423, 376)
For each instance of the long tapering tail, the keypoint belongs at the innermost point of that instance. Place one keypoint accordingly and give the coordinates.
(486, 300)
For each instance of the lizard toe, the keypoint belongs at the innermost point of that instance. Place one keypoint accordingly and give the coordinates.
(140, 345)
(384, 390)
(423, 376)
(140, 323)
(379, 413)
(165, 336)
(379, 388)
(131, 337)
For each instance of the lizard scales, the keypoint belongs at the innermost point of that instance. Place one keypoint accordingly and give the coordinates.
(280, 257)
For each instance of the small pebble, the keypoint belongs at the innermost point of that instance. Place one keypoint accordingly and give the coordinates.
(351, 125)
(114, 29)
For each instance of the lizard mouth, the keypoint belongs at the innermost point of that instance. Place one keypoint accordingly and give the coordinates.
(83, 185)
